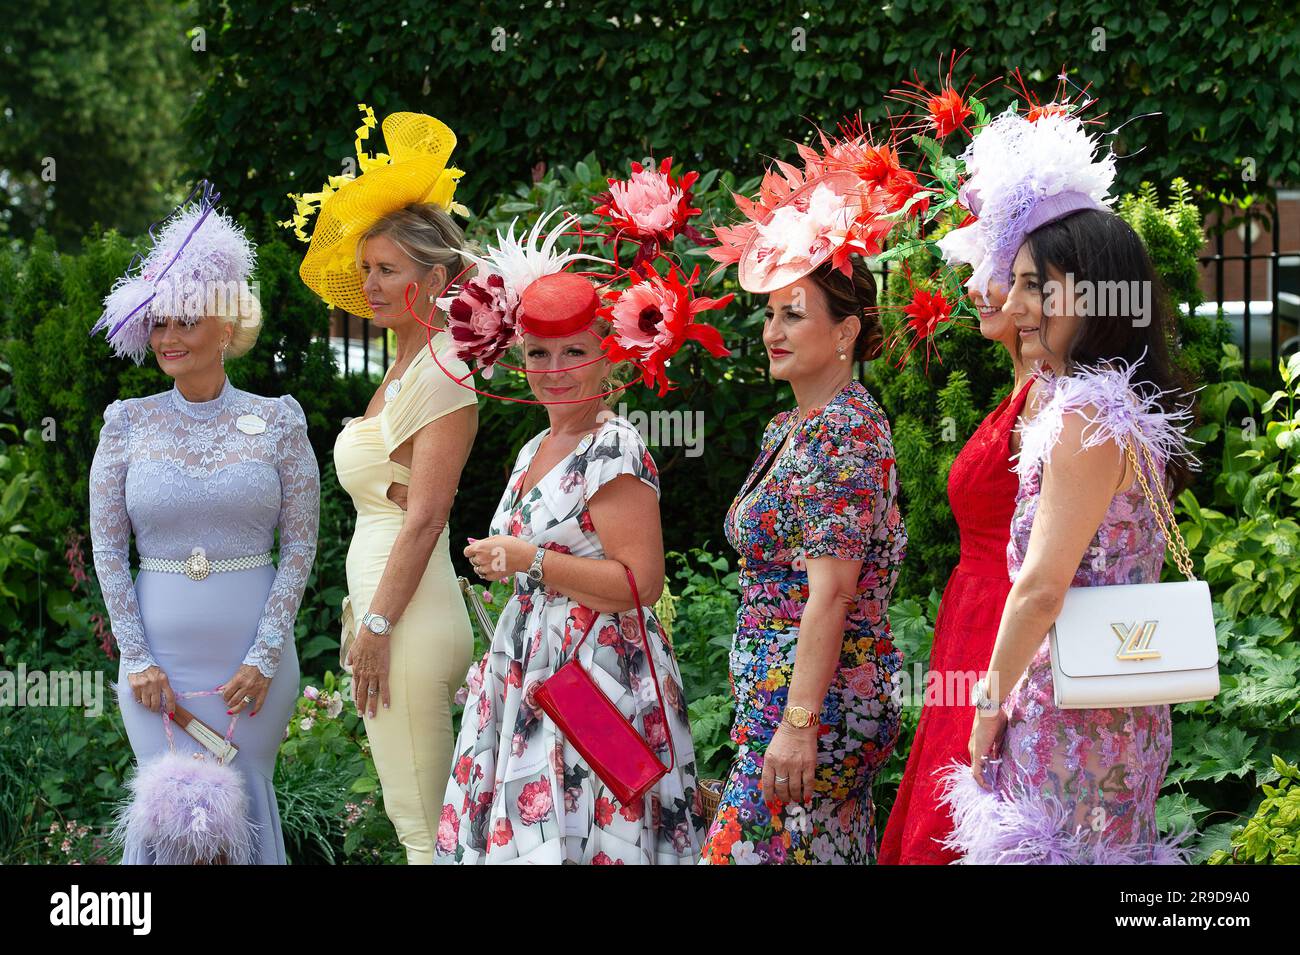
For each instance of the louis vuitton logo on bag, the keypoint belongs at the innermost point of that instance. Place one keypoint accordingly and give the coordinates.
(1135, 641)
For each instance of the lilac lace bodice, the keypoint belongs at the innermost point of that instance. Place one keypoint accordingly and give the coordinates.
(220, 476)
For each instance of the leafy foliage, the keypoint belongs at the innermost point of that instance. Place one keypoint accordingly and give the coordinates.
(725, 81)
(1272, 835)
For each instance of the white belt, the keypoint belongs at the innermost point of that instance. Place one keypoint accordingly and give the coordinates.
(197, 566)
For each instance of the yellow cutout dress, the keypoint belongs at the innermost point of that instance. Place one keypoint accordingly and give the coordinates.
(432, 641)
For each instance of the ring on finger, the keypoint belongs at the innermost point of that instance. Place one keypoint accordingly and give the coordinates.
(782, 779)
(248, 699)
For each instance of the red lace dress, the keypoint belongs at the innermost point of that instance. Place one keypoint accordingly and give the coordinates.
(982, 486)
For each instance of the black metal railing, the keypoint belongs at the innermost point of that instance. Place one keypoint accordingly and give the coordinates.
(1248, 257)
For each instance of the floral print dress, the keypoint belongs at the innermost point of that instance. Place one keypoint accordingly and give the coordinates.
(519, 791)
(834, 493)
(1078, 786)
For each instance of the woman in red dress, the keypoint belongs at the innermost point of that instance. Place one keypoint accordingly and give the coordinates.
(982, 491)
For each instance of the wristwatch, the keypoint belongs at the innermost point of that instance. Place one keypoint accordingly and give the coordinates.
(800, 717)
(535, 571)
(980, 699)
(376, 623)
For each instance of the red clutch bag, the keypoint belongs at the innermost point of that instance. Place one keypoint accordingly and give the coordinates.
(606, 740)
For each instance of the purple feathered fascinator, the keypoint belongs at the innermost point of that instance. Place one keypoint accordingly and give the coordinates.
(1023, 174)
(198, 265)
(187, 809)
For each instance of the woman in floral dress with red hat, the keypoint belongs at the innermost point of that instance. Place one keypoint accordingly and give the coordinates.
(580, 506)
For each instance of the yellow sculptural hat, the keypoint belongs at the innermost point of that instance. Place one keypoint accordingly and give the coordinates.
(413, 170)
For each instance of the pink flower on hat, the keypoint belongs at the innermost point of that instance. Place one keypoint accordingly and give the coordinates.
(654, 318)
(481, 320)
(650, 207)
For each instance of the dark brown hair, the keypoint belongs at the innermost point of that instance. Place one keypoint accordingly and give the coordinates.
(1098, 246)
(853, 296)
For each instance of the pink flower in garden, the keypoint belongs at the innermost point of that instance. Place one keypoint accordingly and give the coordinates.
(311, 693)
(448, 829)
(535, 802)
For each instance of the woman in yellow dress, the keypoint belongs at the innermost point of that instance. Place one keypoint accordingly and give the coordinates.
(384, 247)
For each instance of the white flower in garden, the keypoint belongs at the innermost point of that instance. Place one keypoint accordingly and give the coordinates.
(335, 705)
(306, 724)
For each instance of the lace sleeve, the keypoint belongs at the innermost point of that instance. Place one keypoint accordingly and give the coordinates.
(299, 520)
(110, 536)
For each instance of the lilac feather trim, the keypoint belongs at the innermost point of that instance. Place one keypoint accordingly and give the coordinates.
(1028, 828)
(199, 264)
(1115, 410)
(189, 810)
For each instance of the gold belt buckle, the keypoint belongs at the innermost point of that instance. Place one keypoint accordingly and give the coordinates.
(197, 566)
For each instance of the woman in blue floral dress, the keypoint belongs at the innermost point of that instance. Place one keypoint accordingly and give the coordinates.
(820, 538)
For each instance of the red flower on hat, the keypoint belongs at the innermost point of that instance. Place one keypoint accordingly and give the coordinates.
(651, 208)
(926, 312)
(945, 110)
(948, 111)
(654, 318)
(1061, 104)
(481, 320)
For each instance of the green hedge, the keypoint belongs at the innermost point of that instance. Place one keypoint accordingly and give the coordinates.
(721, 83)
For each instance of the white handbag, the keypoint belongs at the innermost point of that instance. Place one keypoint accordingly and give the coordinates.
(1137, 644)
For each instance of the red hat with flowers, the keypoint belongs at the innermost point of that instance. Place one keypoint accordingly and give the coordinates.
(531, 285)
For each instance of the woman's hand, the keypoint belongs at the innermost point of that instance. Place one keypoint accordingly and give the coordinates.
(151, 689)
(368, 656)
(247, 684)
(790, 765)
(986, 735)
(499, 556)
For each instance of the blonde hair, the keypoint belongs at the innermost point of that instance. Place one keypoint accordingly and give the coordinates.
(425, 232)
(247, 322)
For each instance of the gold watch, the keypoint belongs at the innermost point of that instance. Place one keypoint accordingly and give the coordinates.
(800, 717)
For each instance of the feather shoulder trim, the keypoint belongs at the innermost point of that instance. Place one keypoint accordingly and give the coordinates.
(1116, 410)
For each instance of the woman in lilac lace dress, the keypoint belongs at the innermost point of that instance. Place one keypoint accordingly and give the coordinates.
(1051, 785)
(209, 472)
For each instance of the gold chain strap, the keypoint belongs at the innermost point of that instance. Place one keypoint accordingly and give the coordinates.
(1163, 512)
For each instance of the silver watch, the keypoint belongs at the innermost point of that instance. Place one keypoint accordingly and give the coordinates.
(376, 623)
(535, 571)
(980, 699)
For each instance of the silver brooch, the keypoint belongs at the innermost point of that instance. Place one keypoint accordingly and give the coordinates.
(584, 444)
(393, 388)
(250, 424)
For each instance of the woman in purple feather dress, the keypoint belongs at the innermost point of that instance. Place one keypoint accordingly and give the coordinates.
(1050, 785)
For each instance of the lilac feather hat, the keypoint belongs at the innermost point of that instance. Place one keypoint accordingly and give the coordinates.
(1023, 174)
(198, 265)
